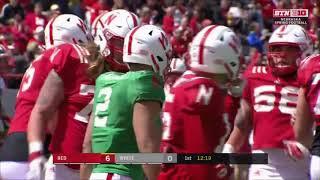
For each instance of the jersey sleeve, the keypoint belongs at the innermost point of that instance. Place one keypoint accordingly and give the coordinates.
(147, 87)
(307, 69)
(59, 60)
(303, 77)
(312, 88)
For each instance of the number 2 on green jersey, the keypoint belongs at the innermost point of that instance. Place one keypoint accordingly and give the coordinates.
(103, 100)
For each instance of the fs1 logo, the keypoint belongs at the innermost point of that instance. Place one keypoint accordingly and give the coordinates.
(282, 13)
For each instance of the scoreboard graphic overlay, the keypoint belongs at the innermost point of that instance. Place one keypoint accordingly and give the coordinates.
(159, 158)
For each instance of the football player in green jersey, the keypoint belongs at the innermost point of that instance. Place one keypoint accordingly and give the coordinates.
(127, 106)
(109, 30)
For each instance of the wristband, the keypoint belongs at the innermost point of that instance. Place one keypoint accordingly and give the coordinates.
(34, 155)
(35, 146)
(228, 148)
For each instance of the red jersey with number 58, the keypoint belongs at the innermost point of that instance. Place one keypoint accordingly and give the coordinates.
(273, 101)
(71, 65)
(308, 77)
(193, 122)
(30, 87)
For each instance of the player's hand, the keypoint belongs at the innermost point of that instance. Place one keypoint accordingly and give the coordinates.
(296, 150)
(36, 168)
(223, 171)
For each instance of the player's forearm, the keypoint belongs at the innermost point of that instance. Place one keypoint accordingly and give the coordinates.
(303, 132)
(36, 133)
(242, 126)
(87, 145)
(48, 101)
(151, 145)
(304, 122)
(85, 171)
(36, 126)
(148, 133)
(151, 171)
(237, 138)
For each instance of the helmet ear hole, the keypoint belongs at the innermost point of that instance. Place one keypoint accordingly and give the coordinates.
(233, 64)
(160, 59)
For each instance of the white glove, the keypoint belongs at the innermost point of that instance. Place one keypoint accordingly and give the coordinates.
(36, 168)
(296, 150)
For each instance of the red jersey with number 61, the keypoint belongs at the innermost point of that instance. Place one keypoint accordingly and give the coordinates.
(71, 65)
(193, 122)
(30, 87)
(273, 101)
(308, 77)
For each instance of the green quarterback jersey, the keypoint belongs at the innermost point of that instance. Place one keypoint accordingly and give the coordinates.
(114, 99)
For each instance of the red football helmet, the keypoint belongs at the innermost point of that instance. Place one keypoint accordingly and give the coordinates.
(110, 36)
(288, 42)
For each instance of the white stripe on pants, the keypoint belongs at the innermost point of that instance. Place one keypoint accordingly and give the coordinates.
(13, 170)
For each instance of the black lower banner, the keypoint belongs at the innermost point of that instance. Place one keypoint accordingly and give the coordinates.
(223, 158)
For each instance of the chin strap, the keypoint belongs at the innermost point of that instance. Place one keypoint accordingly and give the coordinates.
(116, 66)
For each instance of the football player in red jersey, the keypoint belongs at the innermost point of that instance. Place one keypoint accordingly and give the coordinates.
(308, 111)
(268, 102)
(193, 120)
(14, 152)
(68, 90)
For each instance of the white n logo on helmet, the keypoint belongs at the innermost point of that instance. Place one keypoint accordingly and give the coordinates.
(110, 19)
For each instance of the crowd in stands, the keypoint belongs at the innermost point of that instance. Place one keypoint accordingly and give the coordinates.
(22, 24)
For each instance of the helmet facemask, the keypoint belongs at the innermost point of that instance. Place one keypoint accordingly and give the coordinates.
(283, 58)
(115, 51)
